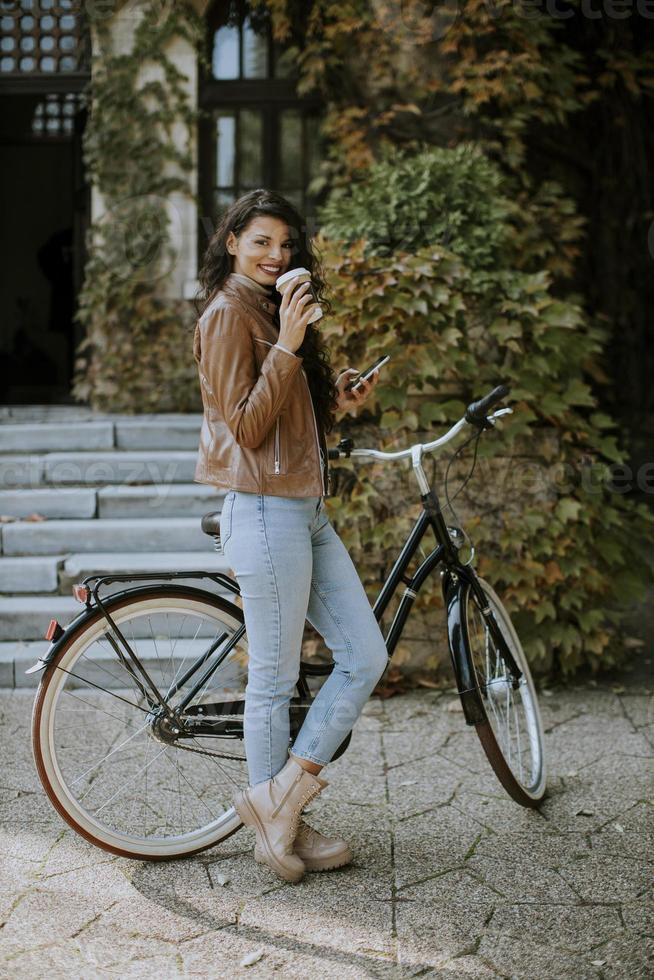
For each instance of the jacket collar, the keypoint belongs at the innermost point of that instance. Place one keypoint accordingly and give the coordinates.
(250, 296)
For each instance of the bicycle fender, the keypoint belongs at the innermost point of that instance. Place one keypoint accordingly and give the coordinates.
(92, 611)
(453, 596)
(56, 645)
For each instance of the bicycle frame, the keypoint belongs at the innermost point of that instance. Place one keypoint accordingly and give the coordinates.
(455, 577)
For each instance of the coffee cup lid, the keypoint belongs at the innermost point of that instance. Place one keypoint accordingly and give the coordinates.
(291, 274)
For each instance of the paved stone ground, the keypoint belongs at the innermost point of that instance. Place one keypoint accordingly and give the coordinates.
(451, 879)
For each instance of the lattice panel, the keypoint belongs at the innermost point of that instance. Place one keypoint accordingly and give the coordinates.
(41, 37)
(54, 117)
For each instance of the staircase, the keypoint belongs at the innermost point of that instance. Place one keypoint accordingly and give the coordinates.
(83, 493)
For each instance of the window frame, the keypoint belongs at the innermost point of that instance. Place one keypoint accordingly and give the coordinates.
(267, 95)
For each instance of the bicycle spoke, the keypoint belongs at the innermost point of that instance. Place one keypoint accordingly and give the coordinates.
(145, 784)
(109, 754)
(97, 665)
(203, 802)
(130, 781)
(103, 689)
(76, 697)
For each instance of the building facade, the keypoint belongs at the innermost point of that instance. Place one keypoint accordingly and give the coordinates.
(252, 130)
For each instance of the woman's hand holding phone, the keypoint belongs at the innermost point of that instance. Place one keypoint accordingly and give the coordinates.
(354, 386)
(348, 400)
(294, 313)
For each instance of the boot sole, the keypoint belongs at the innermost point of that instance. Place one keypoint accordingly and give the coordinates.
(326, 864)
(320, 864)
(250, 819)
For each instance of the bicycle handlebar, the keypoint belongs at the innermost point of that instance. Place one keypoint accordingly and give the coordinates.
(476, 412)
(474, 409)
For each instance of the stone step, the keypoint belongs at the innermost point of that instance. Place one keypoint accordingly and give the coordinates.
(33, 574)
(56, 436)
(164, 500)
(78, 413)
(97, 468)
(157, 433)
(51, 413)
(134, 432)
(112, 534)
(17, 657)
(26, 618)
(77, 567)
(60, 502)
(58, 573)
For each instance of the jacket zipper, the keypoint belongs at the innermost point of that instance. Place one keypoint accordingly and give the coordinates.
(277, 453)
(315, 428)
(206, 384)
(321, 456)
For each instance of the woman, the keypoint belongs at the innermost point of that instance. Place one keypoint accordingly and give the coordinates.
(269, 397)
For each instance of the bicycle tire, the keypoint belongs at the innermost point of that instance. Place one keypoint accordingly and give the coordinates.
(43, 725)
(524, 780)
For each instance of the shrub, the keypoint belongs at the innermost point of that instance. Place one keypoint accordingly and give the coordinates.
(561, 546)
(449, 197)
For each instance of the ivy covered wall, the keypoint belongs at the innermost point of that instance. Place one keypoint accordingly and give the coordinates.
(393, 74)
(140, 151)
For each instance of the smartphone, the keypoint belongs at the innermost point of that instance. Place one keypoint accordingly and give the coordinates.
(353, 385)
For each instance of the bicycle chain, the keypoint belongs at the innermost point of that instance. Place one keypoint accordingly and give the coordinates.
(213, 755)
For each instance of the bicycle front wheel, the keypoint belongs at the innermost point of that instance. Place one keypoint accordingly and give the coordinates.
(512, 734)
(114, 768)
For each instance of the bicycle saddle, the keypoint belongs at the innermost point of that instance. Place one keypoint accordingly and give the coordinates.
(211, 523)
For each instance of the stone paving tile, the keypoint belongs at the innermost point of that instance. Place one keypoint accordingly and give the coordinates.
(615, 841)
(450, 877)
(604, 878)
(491, 808)
(639, 917)
(638, 708)
(576, 929)
(521, 960)
(446, 938)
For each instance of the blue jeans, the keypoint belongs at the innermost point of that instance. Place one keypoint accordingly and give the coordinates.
(292, 566)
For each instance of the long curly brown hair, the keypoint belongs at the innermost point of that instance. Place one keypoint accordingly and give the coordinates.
(217, 265)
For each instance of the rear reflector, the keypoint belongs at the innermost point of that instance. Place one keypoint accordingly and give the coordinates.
(81, 593)
(53, 631)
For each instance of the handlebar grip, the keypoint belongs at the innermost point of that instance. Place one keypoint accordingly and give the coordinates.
(344, 448)
(477, 411)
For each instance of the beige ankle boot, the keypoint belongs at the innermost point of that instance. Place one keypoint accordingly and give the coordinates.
(273, 808)
(320, 853)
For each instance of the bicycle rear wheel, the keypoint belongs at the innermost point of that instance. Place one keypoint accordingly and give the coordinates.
(512, 734)
(118, 775)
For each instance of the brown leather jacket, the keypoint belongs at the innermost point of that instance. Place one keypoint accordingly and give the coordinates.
(259, 432)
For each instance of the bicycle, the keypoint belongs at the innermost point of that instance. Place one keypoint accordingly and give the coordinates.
(137, 724)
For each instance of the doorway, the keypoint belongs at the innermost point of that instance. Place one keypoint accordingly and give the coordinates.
(45, 207)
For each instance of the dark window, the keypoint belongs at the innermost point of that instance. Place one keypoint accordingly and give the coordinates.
(54, 116)
(255, 131)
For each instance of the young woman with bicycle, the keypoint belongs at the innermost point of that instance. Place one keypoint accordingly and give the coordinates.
(165, 711)
(269, 397)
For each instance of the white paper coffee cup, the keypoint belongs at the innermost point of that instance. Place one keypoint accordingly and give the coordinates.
(289, 280)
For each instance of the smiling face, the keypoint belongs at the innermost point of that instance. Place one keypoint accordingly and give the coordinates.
(263, 250)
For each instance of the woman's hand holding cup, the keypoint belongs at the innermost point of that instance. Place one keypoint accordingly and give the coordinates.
(295, 312)
(298, 307)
